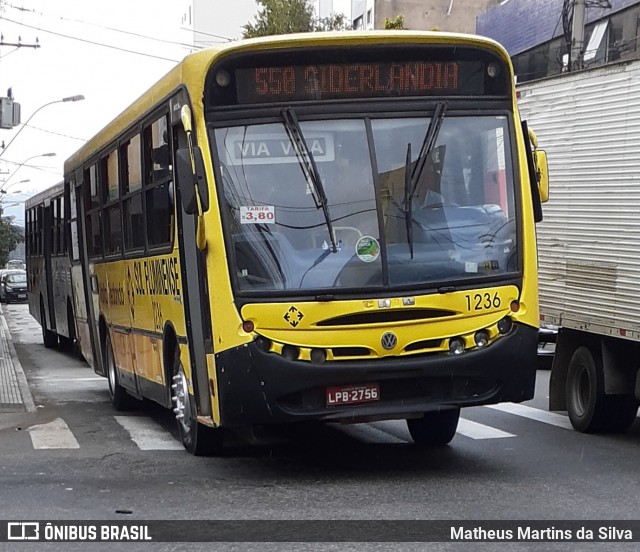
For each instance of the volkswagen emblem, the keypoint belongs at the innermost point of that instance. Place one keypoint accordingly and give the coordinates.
(389, 340)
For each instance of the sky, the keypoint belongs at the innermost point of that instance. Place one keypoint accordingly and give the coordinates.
(109, 51)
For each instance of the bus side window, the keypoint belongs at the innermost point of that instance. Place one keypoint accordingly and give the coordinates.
(159, 183)
(131, 162)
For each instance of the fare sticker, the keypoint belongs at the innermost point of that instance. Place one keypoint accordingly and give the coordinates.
(257, 214)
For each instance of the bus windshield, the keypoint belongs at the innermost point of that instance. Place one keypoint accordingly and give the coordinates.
(456, 221)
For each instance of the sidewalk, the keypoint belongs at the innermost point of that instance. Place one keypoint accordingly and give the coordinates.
(15, 396)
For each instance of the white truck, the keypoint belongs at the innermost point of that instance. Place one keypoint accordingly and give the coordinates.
(589, 241)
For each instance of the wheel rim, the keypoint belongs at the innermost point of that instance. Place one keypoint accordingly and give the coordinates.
(181, 401)
(582, 391)
(111, 370)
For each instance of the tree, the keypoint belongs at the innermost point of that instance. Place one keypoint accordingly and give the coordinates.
(290, 16)
(10, 237)
(396, 23)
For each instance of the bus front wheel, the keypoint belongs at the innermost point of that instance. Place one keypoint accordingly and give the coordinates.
(435, 428)
(197, 438)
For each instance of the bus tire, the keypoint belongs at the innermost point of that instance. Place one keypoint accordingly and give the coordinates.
(49, 338)
(197, 438)
(67, 343)
(585, 392)
(120, 399)
(435, 428)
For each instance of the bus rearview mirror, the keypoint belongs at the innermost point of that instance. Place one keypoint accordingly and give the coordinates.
(190, 178)
(542, 174)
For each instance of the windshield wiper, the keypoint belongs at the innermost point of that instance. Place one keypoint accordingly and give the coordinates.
(411, 182)
(309, 168)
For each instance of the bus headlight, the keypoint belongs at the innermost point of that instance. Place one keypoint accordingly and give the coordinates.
(290, 352)
(456, 345)
(318, 356)
(505, 325)
(481, 338)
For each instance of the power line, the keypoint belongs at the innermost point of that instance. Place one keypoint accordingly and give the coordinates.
(87, 41)
(225, 38)
(36, 167)
(131, 33)
(57, 133)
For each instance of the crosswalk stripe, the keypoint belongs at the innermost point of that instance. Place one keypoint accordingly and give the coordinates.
(147, 434)
(474, 430)
(543, 416)
(52, 435)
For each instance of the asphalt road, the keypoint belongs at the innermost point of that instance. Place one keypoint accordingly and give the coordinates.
(510, 462)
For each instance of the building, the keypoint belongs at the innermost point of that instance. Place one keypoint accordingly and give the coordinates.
(208, 22)
(428, 15)
(326, 8)
(534, 34)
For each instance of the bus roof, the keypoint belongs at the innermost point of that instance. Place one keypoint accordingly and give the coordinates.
(194, 67)
(41, 197)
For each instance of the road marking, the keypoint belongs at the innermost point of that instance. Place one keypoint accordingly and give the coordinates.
(474, 430)
(55, 379)
(543, 416)
(53, 435)
(147, 434)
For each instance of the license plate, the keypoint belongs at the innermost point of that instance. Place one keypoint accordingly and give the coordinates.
(22, 295)
(353, 394)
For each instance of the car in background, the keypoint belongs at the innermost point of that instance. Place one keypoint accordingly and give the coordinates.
(13, 286)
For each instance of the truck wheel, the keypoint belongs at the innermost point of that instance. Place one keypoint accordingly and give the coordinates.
(197, 438)
(434, 428)
(585, 392)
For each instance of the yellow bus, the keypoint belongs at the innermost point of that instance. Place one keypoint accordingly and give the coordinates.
(334, 227)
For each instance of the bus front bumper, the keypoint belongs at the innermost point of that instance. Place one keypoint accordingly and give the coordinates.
(257, 387)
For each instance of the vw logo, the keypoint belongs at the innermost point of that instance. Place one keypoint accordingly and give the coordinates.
(389, 340)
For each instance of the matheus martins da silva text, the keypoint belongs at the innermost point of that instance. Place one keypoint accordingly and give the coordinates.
(524, 533)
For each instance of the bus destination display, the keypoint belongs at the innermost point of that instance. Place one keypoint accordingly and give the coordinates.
(359, 80)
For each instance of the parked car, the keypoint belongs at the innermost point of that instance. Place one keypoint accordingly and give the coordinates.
(13, 286)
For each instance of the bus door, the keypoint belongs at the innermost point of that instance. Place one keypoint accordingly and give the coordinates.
(47, 290)
(193, 277)
(85, 282)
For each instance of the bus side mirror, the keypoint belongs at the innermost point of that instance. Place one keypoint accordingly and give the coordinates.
(542, 174)
(188, 180)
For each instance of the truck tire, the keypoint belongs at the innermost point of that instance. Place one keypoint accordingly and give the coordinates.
(585, 392)
(590, 409)
(434, 428)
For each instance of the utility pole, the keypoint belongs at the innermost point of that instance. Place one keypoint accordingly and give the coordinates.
(577, 34)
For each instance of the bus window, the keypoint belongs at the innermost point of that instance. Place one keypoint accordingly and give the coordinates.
(111, 190)
(132, 190)
(158, 192)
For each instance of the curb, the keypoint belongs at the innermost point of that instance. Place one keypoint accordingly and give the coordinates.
(23, 386)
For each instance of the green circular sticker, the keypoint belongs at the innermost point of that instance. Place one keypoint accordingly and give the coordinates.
(368, 249)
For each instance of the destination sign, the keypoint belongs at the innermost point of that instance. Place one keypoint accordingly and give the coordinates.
(358, 80)
(277, 148)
